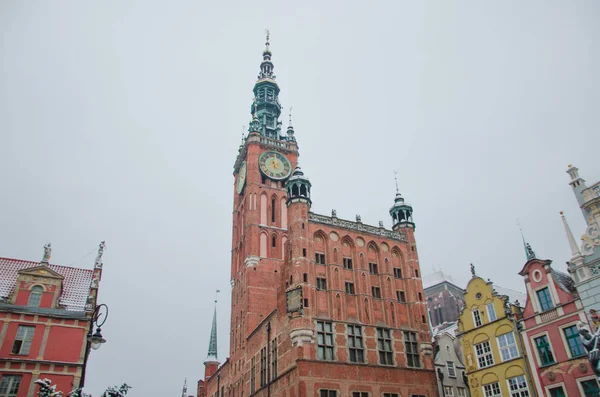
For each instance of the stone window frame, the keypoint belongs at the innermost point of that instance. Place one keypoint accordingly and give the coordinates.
(8, 381)
(518, 392)
(321, 284)
(326, 345)
(539, 302)
(450, 364)
(373, 268)
(320, 258)
(329, 393)
(357, 339)
(349, 288)
(411, 349)
(397, 272)
(385, 335)
(477, 319)
(548, 388)
(563, 337)
(489, 353)
(493, 310)
(347, 262)
(497, 383)
(584, 379)
(37, 296)
(401, 296)
(507, 347)
(536, 350)
(376, 292)
(360, 393)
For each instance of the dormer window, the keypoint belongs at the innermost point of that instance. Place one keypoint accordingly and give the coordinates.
(35, 296)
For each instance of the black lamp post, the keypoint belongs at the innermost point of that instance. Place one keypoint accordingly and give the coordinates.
(94, 340)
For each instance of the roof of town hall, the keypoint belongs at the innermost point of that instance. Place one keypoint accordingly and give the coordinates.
(76, 283)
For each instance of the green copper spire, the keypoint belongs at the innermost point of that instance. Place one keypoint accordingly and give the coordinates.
(529, 254)
(266, 107)
(212, 345)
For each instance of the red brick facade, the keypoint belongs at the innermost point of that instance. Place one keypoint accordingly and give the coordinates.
(307, 287)
(46, 339)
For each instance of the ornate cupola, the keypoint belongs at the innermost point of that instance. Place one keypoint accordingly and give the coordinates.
(266, 107)
(298, 188)
(401, 213)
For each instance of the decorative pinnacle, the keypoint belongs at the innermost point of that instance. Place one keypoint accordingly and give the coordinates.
(396, 179)
(473, 274)
(291, 107)
(268, 34)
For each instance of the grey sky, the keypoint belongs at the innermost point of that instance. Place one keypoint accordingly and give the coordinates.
(120, 121)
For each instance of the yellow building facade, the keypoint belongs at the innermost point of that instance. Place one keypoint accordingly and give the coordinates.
(492, 348)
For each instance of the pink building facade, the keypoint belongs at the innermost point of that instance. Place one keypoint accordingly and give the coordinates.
(556, 356)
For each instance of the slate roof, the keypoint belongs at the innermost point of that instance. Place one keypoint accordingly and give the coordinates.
(564, 281)
(76, 283)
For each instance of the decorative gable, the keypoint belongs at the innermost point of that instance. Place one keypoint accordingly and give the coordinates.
(42, 276)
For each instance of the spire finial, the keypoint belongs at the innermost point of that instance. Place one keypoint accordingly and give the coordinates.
(268, 35)
(47, 253)
(291, 107)
(396, 179)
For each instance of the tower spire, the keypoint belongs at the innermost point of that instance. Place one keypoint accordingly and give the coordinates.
(184, 391)
(212, 345)
(529, 254)
(574, 248)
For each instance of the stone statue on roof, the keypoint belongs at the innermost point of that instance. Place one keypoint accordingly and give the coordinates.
(473, 270)
(47, 253)
(98, 262)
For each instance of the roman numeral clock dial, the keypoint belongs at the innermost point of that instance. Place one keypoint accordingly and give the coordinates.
(274, 165)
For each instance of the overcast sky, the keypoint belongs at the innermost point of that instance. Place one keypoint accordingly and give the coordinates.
(120, 121)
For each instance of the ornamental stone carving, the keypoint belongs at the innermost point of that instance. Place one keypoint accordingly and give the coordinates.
(356, 226)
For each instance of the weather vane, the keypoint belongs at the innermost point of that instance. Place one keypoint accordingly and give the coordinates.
(396, 179)
(268, 33)
(291, 107)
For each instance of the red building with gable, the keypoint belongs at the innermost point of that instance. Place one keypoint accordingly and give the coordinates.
(556, 356)
(321, 306)
(45, 314)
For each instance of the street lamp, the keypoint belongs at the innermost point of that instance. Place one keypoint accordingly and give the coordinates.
(94, 340)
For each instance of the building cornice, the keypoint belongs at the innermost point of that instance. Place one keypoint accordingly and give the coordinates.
(356, 226)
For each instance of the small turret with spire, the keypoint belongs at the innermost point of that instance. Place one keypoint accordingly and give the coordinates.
(529, 254)
(401, 212)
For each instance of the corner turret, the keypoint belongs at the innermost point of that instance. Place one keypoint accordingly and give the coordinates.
(401, 214)
(298, 188)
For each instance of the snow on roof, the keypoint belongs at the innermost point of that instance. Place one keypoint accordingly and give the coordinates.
(437, 278)
(445, 328)
(512, 294)
(76, 283)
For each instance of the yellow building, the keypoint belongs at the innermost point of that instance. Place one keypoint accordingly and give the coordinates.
(492, 348)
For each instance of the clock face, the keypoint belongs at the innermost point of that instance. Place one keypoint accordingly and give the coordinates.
(239, 186)
(274, 165)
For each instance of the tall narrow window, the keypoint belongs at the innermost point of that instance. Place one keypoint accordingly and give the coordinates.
(376, 291)
(349, 288)
(320, 258)
(324, 340)
(491, 312)
(451, 369)
(263, 366)
(35, 296)
(9, 385)
(545, 299)
(23, 340)
(412, 349)
(384, 346)
(401, 296)
(373, 268)
(273, 210)
(544, 350)
(347, 263)
(253, 375)
(274, 359)
(477, 318)
(321, 284)
(483, 351)
(274, 242)
(355, 344)
(574, 341)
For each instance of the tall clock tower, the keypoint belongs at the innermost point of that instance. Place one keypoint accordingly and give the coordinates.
(265, 161)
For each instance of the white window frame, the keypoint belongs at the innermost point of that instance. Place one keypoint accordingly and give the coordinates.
(450, 364)
(518, 392)
(477, 317)
(10, 379)
(461, 391)
(448, 388)
(532, 339)
(564, 338)
(490, 353)
(579, 380)
(507, 347)
(491, 309)
(492, 395)
(553, 386)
